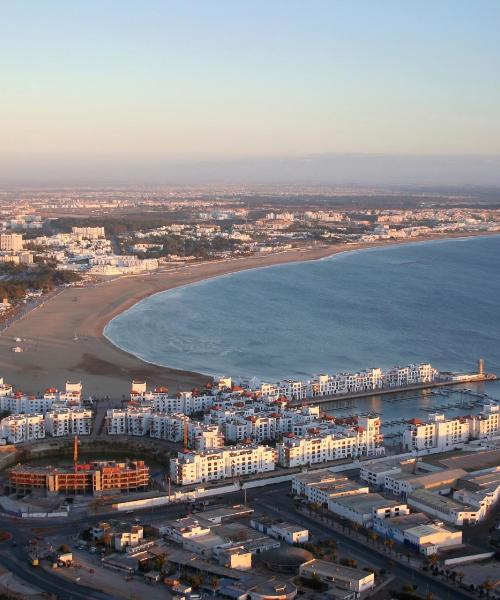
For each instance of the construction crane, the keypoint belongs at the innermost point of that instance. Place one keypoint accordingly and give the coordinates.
(75, 452)
(186, 433)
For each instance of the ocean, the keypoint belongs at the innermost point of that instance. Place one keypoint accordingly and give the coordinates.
(435, 302)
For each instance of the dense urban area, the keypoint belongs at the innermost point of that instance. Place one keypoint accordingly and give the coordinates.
(237, 488)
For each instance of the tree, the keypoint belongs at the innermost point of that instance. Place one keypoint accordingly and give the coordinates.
(373, 535)
(487, 586)
(214, 584)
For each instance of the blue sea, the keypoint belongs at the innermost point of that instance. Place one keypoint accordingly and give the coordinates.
(436, 301)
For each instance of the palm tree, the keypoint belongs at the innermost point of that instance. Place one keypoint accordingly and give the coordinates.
(487, 586)
(434, 560)
(373, 535)
(460, 576)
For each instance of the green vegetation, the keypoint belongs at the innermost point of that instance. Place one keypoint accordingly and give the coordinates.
(17, 279)
(202, 247)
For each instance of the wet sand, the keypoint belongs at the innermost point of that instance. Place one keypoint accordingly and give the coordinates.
(63, 339)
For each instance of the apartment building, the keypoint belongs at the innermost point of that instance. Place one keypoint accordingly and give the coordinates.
(211, 465)
(130, 421)
(64, 422)
(344, 383)
(22, 428)
(486, 424)
(11, 242)
(444, 434)
(18, 404)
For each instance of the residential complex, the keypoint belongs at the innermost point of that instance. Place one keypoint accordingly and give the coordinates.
(212, 465)
(445, 434)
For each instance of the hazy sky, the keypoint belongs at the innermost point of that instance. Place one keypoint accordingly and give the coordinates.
(98, 82)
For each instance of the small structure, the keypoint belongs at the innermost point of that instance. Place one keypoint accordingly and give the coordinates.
(286, 559)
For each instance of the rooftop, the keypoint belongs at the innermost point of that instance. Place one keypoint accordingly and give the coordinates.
(365, 502)
(336, 571)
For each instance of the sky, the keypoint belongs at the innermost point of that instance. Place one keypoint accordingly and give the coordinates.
(127, 89)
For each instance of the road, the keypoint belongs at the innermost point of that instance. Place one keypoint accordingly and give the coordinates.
(15, 559)
(276, 503)
(271, 500)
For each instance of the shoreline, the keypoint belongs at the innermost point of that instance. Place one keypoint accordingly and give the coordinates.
(64, 339)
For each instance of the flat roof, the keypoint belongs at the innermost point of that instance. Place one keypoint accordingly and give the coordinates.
(365, 502)
(335, 570)
(470, 461)
(382, 466)
(286, 526)
(483, 480)
(438, 501)
(426, 529)
(404, 522)
(225, 512)
(180, 557)
(338, 486)
(318, 476)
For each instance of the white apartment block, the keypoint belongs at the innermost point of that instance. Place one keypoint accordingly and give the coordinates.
(22, 428)
(160, 400)
(205, 437)
(212, 465)
(130, 421)
(21, 404)
(313, 449)
(344, 383)
(168, 427)
(444, 434)
(344, 441)
(65, 422)
(486, 425)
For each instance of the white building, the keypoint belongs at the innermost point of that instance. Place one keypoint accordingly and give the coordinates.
(130, 421)
(444, 434)
(212, 465)
(333, 574)
(313, 449)
(364, 508)
(280, 530)
(68, 422)
(22, 428)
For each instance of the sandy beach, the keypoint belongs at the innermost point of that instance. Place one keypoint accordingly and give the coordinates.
(63, 339)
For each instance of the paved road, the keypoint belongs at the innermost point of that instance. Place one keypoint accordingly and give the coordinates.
(277, 503)
(15, 559)
(271, 500)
